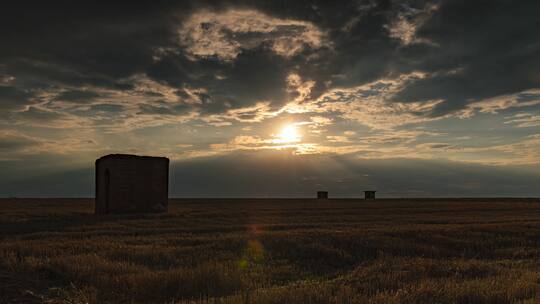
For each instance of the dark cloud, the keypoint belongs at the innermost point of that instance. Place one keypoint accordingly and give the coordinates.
(477, 49)
(159, 110)
(255, 76)
(104, 107)
(493, 47)
(15, 142)
(37, 115)
(53, 45)
(77, 96)
(65, 183)
(12, 98)
(287, 175)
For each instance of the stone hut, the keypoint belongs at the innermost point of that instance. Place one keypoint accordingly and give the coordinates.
(131, 184)
(322, 194)
(369, 195)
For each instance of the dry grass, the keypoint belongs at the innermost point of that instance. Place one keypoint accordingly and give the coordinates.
(272, 251)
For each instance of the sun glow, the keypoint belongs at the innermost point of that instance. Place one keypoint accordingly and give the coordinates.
(289, 134)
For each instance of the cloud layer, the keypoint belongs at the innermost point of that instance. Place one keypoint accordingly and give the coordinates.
(445, 80)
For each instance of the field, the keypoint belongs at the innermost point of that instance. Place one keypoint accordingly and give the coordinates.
(272, 251)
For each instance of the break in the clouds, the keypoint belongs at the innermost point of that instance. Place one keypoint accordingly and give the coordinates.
(365, 83)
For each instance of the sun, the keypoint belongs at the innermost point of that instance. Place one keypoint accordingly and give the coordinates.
(289, 134)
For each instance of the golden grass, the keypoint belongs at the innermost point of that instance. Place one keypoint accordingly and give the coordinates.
(272, 251)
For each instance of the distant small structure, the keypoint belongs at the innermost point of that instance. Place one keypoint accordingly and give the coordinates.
(131, 184)
(369, 194)
(322, 194)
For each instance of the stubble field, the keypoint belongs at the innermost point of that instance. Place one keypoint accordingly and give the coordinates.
(272, 251)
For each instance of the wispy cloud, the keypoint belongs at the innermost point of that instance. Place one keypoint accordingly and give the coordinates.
(370, 104)
(404, 26)
(493, 105)
(226, 34)
(524, 120)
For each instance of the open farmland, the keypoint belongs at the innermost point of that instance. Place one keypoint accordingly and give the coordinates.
(272, 251)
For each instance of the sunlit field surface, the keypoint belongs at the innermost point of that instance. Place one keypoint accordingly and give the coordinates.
(272, 251)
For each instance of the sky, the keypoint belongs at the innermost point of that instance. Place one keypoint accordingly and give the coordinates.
(274, 98)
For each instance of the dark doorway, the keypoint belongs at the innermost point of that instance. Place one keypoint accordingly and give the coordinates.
(107, 187)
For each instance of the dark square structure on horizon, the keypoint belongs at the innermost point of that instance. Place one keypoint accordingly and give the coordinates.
(369, 194)
(322, 194)
(131, 184)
